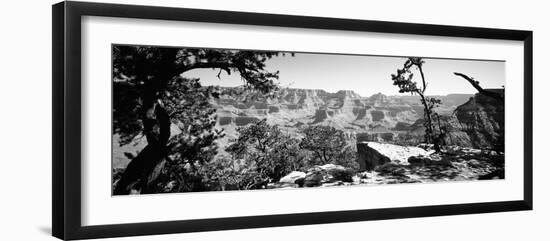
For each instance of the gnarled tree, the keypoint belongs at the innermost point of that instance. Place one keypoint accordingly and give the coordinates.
(149, 95)
(404, 80)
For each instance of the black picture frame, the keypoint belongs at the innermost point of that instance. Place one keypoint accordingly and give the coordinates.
(66, 185)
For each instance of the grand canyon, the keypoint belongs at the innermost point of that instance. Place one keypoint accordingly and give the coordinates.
(385, 131)
(200, 119)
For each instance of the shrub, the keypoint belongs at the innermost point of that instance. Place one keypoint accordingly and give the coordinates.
(328, 145)
(227, 174)
(271, 153)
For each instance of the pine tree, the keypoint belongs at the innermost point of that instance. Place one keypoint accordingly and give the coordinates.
(150, 95)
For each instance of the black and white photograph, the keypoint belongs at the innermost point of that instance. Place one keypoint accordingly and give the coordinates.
(188, 119)
(275, 120)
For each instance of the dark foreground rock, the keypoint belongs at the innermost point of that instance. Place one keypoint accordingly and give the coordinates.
(328, 173)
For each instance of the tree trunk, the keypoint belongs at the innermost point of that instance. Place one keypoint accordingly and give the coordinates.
(325, 157)
(156, 125)
(430, 130)
(428, 112)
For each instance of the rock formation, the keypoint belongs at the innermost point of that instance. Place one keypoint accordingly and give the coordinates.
(478, 123)
(292, 177)
(379, 115)
(373, 154)
(404, 165)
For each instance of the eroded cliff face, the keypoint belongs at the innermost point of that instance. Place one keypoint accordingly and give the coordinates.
(343, 109)
(478, 122)
(378, 117)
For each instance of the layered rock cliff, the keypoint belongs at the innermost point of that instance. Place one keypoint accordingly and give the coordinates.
(478, 123)
(343, 109)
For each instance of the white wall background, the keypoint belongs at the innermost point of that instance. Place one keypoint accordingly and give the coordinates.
(25, 136)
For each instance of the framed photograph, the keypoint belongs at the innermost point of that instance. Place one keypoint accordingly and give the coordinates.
(169, 120)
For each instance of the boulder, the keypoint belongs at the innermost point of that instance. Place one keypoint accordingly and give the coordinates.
(328, 173)
(418, 160)
(430, 160)
(313, 179)
(292, 177)
(329, 167)
(373, 154)
(300, 181)
(337, 173)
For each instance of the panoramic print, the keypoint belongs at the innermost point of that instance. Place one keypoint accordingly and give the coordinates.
(201, 119)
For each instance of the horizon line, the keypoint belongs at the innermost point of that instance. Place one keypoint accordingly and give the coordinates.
(361, 95)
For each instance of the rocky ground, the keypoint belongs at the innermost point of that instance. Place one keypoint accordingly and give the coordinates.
(452, 164)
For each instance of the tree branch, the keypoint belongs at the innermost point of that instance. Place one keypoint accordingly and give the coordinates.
(476, 85)
(206, 65)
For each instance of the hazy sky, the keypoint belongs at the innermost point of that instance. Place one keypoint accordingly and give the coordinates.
(366, 75)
